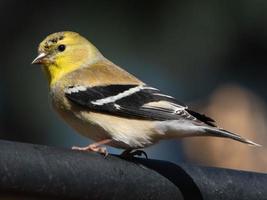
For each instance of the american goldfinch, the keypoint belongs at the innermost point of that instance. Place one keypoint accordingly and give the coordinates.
(109, 105)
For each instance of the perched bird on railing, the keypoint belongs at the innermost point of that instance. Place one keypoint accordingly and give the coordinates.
(109, 105)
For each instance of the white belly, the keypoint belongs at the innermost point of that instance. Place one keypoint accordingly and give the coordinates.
(126, 133)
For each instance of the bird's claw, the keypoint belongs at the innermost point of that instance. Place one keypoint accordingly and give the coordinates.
(133, 153)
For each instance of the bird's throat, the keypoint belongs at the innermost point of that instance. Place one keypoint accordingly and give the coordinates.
(54, 73)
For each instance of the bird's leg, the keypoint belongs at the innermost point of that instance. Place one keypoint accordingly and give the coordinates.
(95, 147)
(130, 153)
(126, 153)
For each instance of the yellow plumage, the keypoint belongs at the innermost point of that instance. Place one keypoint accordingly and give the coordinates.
(79, 52)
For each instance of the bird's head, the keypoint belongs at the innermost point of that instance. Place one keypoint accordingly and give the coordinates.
(63, 52)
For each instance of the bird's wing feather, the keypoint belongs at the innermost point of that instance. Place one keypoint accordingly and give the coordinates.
(132, 101)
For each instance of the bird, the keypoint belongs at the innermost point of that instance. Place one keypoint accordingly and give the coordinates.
(107, 104)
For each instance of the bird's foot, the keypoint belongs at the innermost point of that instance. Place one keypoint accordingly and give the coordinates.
(95, 147)
(132, 153)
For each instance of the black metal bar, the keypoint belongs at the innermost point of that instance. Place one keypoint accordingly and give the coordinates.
(35, 170)
(51, 173)
(210, 183)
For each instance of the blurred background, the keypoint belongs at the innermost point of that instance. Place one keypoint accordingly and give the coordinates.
(211, 54)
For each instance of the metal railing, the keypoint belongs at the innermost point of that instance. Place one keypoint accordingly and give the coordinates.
(36, 171)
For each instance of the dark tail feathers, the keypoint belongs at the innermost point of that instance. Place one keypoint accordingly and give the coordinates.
(227, 134)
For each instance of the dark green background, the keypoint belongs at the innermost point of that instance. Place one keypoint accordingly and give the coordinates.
(185, 48)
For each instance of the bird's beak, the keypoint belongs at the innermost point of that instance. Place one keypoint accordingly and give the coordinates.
(39, 58)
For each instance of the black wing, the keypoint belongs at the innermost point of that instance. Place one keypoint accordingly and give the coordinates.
(131, 101)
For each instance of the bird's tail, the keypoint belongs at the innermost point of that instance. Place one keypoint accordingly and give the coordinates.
(226, 134)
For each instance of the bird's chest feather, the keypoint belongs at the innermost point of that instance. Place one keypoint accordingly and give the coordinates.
(73, 116)
(127, 133)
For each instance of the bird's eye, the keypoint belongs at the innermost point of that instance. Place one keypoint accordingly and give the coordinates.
(61, 47)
